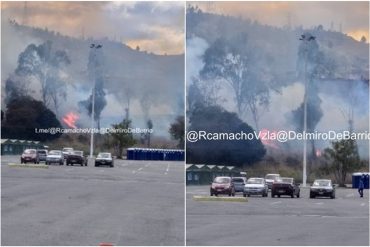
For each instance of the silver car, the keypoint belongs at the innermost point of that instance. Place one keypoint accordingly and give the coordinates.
(56, 157)
(255, 186)
(239, 183)
(270, 179)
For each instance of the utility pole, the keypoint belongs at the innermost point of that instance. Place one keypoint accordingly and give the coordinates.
(306, 39)
(95, 47)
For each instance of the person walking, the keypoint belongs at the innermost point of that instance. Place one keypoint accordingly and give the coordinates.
(361, 186)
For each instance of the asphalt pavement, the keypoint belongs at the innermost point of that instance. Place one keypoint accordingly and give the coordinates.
(134, 203)
(278, 221)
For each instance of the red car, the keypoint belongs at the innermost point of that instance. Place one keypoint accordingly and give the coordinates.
(30, 155)
(222, 185)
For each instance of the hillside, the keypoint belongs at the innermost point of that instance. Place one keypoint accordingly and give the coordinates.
(153, 84)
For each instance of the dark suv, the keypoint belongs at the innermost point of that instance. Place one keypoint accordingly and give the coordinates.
(222, 185)
(76, 157)
(30, 155)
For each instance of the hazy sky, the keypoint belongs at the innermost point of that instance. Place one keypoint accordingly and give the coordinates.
(155, 26)
(352, 16)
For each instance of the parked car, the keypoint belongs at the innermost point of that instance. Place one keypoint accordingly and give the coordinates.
(222, 185)
(270, 178)
(322, 188)
(104, 159)
(285, 186)
(42, 154)
(55, 157)
(256, 186)
(66, 152)
(76, 157)
(239, 183)
(30, 155)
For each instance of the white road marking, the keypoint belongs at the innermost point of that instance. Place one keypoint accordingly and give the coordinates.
(311, 215)
(140, 169)
(346, 217)
(362, 204)
(319, 203)
(146, 165)
(274, 203)
(167, 169)
(133, 172)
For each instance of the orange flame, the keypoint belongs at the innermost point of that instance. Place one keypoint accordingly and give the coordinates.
(266, 141)
(70, 119)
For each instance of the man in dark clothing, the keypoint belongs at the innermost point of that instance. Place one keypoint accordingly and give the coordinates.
(361, 186)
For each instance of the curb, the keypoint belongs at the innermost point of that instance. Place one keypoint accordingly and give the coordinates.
(219, 199)
(28, 166)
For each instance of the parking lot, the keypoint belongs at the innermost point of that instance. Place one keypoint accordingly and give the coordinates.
(134, 203)
(279, 221)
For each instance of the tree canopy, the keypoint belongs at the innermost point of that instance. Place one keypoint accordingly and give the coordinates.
(214, 119)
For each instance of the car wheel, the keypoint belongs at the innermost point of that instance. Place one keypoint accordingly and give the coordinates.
(272, 195)
(298, 195)
(279, 196)
(96, 165)
(249, 195)
(332, 196)
(245, 195)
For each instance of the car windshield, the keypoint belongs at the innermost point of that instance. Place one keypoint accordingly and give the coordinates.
(255, 181)
(67, 149)
(322, 183)
(238, 180)
(41, 151)
(80, 153)
(54, 152)
(104, 155)
(221, 180)
(271, 176)
(29, 151)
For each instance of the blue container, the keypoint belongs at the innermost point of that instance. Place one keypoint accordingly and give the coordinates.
(356, 179)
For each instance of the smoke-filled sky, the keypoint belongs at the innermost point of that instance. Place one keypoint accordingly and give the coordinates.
(352, 17)
(156, 27)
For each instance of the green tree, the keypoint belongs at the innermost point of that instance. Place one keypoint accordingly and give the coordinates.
(341, 159)
(177, 130)
(24, 115)
(45, 64)
(237, 152)
(242, 67)
(122, 138)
